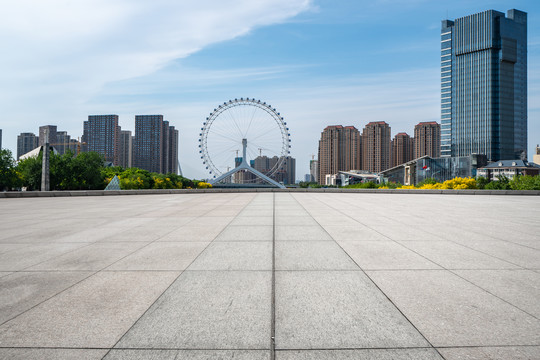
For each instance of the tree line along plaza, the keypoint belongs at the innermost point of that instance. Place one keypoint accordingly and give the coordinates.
(246, 142)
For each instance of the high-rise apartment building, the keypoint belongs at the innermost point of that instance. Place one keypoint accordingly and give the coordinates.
(26, 142)
(0, 139)
(313, 170)
(285, 174)
(102, 135)
(147, 143)
(427, 139)
(64, 142)
(484, 85)
(126, 149)
(340, 149)
(402, 149)
(376, 146)
(155, 144)
(51, 130)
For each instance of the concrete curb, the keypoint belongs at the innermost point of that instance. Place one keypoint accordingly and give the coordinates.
(29, 194)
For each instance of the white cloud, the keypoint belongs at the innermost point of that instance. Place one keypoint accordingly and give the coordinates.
(57, 54)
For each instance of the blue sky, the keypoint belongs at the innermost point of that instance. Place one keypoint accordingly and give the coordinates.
(318, 62)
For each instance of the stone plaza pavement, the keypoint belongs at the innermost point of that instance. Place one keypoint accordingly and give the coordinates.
(219, 276)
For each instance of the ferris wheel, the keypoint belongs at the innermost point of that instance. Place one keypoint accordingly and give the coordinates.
(239, 130)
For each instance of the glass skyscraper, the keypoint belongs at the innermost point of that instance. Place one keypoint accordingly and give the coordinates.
(484, 85)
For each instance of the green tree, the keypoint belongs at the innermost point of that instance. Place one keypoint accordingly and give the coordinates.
(8, 174)
(503, 183)
(29, 171)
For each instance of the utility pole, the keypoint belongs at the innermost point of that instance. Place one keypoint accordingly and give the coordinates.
(45, 176)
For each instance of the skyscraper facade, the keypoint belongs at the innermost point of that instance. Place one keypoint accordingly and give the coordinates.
(286, 173)
(51, 130)
(102, 135)
(26, 142)
(64, 142)
(126, 149)
(484, 85)
(427, 139)
(147, 144)
(155, 144)
(402, 149)
(340, 149)
(376, 146)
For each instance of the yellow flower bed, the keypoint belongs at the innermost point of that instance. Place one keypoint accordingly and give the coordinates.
(454, 184)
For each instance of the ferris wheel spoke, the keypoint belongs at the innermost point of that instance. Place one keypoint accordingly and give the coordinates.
(230, 113)
(221, 135)
(251, 120)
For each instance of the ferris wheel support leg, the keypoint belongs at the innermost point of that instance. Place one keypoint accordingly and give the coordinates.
(251, 170)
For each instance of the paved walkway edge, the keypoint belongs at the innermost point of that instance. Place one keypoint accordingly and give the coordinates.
(25, 194)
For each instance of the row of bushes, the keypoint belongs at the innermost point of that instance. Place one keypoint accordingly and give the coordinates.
(135, 178)
(524, 182)
(83, 172)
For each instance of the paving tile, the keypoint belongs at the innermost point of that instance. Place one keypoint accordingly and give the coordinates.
(246, 233)
(521, 288)
(188, 355)
(52, 354)
(211, 221)
(365, 354)
(301, 233)
(9, 247)
(161, 256)
(193, 233)
(513, 253)
(335, 310)
(141, 234)
(34, 254)
(353, 233)
(454, 256)
(22, 290)
(492, 353)
(295, 220)
(92, 257)
(312, 255)
(378, 255)
(450, 311)
(92, 314)
(404, 232)
(208, 310)
(338, 220)
(252, 220)
(243, 255)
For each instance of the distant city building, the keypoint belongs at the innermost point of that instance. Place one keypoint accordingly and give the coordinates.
(64, 142)
(402, 149)
(427, 139)
(509, 169)
(126, 149)
(340, 148)
(536, 158)
(102, 135)
(0, 139)
(26, 142)
(155, 144)
(376, 146)
(285, 174)
(307, 178)
(52, 132)
(484, 85)
(440, 169)
(313, 170)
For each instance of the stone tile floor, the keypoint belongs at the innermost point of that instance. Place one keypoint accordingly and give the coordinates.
(285, 276)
